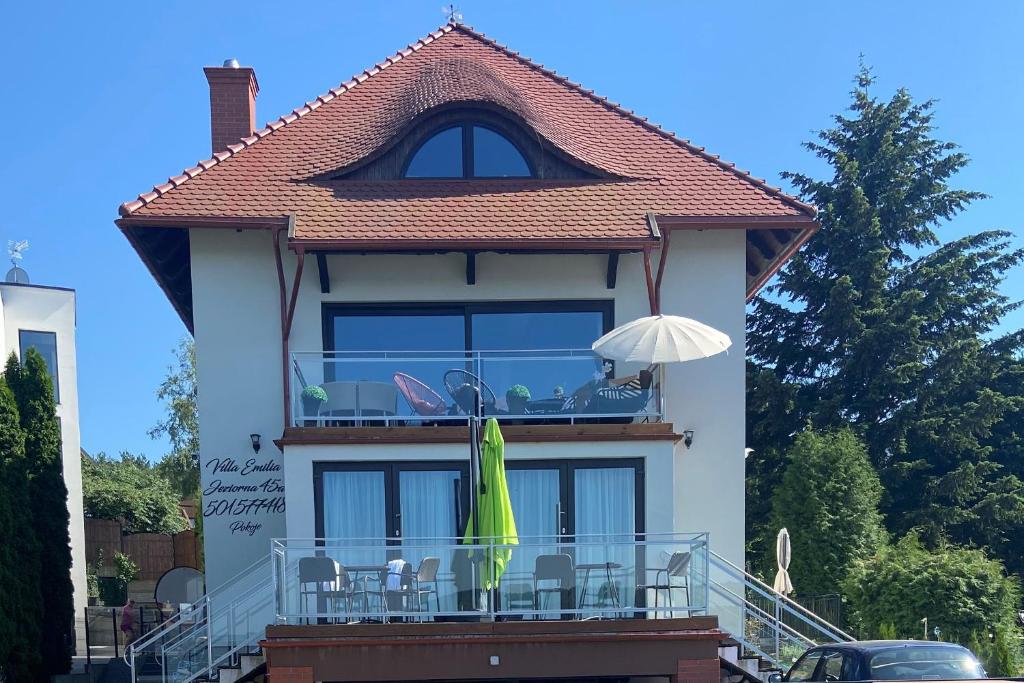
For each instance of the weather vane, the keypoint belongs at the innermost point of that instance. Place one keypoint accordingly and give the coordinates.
(15, 250)
(452, 12)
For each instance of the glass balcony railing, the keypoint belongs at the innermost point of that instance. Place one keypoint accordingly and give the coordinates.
(631, 576)
(334, 389)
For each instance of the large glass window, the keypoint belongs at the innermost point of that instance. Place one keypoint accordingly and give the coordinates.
(46, 344)
(467, 151)
(520, 344)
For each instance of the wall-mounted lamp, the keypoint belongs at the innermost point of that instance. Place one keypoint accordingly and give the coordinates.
(255, 442)
(688, 438)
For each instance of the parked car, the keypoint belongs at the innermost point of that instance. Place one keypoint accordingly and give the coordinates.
(884, 660)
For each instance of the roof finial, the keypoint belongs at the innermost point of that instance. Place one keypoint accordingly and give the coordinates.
(453, 13)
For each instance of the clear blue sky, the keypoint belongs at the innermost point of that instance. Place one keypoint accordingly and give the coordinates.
(102, 100)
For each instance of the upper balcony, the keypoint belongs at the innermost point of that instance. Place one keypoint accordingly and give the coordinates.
(430, 388)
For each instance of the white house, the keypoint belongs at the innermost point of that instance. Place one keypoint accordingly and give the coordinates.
(459, 216)
(42, 317)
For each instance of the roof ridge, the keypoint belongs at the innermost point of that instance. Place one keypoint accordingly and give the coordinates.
(636, 118)
(129, 207)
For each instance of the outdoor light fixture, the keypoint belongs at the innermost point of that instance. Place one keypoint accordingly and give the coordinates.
(255, 442)
(688, 437)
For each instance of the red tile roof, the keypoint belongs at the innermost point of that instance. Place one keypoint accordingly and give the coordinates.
(281, 169)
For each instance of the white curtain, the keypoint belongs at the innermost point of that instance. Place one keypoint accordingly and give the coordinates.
(354, 517)
(429, 523)
(605, 511)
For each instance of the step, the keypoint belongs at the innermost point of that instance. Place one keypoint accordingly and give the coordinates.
(229, 674)
(249, 662)
(729, 653)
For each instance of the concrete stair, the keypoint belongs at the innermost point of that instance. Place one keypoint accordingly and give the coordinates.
(736, 667)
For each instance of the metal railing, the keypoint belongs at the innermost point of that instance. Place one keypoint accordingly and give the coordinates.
(629, 576)
(424, 387)
(772, 626)
(209, 633)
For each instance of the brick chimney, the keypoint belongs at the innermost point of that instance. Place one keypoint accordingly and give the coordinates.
(233, 91)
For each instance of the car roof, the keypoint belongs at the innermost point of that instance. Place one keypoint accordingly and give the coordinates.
(870, 646)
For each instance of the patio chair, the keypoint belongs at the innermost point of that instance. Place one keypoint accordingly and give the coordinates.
(559, 569)
(423, 400)
(630, 395)
(460, 383)
(326, 580)
(420, 585)
(376, 399)
(678, 567)
(342, 400)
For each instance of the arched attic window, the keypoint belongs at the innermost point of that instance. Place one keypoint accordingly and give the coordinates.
(467, 150)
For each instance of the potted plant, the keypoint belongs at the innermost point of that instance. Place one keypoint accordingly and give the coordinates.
(313, 397)
(517, 397)
(92, 584)
(127, 570)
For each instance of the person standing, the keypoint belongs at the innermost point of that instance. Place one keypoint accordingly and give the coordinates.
(128, 623)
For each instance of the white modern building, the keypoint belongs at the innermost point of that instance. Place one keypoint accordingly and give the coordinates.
(42, 317)
(458, 218)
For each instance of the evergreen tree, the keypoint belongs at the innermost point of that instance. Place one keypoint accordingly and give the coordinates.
(877, 325)
(828, 500)
(33, 391)
(19, 588)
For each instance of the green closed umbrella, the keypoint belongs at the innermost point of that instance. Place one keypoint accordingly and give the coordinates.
(494, 507)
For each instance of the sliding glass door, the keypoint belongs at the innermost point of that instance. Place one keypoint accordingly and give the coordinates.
(371, 513)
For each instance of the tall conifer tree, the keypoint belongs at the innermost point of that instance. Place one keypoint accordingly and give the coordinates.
(879, 325)
(19, 587)
(33, 391)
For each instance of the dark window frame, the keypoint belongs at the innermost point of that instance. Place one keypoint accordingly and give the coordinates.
(56, 358)
(468, 159)
(392, 491)
(331, 310)
(565, 466)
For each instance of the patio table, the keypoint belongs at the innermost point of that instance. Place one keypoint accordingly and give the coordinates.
(613, 590)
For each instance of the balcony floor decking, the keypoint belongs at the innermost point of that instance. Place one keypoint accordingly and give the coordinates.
(616, 648)
(645, 431)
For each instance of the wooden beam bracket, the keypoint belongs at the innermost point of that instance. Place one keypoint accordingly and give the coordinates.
(613, 269)
(470, 267)
(325, 274)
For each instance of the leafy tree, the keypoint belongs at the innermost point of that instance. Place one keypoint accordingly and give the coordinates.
(828, 500)
(181, 426)
(48, 495)
(19, 588)
(877, 325)
(963, 592)
(131, 490)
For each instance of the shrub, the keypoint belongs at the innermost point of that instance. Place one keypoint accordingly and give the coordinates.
(963, 592)
(314, 392)
(127, 570)
(828, 500)
(518, 391)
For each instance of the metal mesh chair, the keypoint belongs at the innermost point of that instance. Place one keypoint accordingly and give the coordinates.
(460, 384)
(422, 399)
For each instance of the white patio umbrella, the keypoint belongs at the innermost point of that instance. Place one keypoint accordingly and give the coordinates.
(783, 553)
(661, 339)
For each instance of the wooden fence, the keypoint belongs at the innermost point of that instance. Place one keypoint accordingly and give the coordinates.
(153, 553)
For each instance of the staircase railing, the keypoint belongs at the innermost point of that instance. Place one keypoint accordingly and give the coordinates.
(210, 633)
(771, 625)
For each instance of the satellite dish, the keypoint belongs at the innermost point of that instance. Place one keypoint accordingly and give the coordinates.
(180, 585)
(17, 275)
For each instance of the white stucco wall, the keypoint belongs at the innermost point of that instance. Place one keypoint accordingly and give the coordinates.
(238, 341)
(51, 309)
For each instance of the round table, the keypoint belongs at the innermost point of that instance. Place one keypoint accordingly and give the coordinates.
(613, 591)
